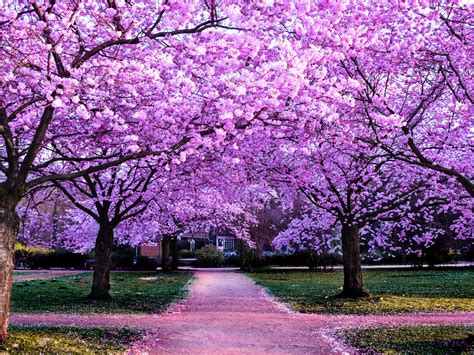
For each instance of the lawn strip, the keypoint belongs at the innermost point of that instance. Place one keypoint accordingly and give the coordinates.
(40, 339)
(393, 291)
(132, 292)
(412, 339)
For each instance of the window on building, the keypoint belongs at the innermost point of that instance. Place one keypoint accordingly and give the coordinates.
(229, 244)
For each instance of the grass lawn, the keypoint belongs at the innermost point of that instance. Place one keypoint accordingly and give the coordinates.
(38, 339)
(132, 292)
(412, 339)
(393, 291)
(21, 273)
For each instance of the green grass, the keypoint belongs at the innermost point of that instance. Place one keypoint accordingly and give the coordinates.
(21, 273)
(412, 339)
(392, 291)
(39, 339)
(131, 293)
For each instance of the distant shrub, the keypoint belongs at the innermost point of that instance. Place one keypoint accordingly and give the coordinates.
(187, 254)
(321, 261)
(143, 263)
(232, 260)
(209, 256)
(27, 249)
(123, 257)
(46, 259)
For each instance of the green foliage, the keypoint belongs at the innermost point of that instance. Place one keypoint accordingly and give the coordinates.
(303, 259)
(186, 254)
(122, 257)
(137, 292)
(38, 339)
(45, 259)
(144, 263)
(392, 290)
(412, 339)
(210, 256)
(233, 260)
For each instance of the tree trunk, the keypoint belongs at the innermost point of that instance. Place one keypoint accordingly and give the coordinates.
(353, 286)
(103, 263)
(9, 225)
(165, 253)
(174, 253)
(311, 261)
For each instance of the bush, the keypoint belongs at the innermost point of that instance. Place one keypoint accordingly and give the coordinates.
(46, 259)
(143, 263)
(187, 254)
(123, 257)
(209, 256)
(303, 259)
(232, 260)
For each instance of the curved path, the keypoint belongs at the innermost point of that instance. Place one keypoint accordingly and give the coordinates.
(227, 313)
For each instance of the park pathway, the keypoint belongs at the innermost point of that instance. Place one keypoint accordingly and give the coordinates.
(227, 313)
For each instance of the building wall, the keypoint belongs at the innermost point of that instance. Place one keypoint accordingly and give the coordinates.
(151, 251)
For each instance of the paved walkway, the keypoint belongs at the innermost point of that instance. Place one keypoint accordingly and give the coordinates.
(462, 264)
(227, 313)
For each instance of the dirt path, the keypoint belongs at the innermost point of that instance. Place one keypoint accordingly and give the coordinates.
(29, 275)
(227, 313)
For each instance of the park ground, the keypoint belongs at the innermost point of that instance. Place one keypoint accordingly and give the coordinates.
(224, 311)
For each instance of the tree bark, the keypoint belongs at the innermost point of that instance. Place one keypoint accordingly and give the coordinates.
(103, 263)
(174, 253)
(311, 261)
(9, 225)
(353, 286)
(165, 253)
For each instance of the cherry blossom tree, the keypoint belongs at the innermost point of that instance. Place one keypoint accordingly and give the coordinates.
(392, 95)
(75, 74)
(415, 88)
(363, 107)
(110, 198)
(137, 203)
(353, 184)
(311, 232)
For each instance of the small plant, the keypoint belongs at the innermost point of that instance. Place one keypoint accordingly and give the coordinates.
(210, 256)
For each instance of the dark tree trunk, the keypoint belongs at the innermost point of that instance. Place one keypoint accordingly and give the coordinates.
(103, 263)
(165, 253)
(174, 253)
(353, 286)
(9, 225)
(311, 261)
